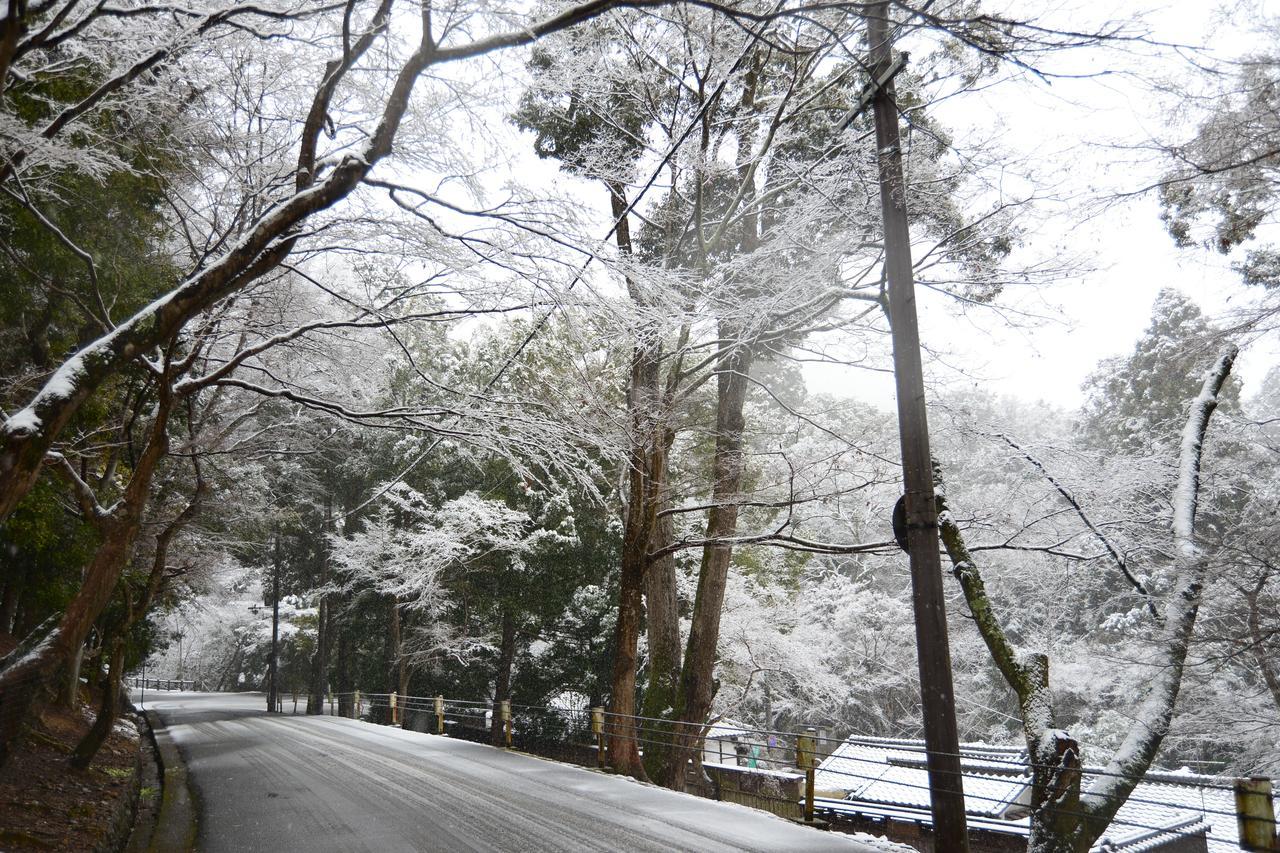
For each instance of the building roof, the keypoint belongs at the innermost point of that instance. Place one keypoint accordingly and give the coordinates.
(725, 729)
(883, 777)
(892, 772)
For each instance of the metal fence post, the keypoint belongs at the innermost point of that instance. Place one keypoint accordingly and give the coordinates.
(597, 728)
(1255, 814)
(395, 712)
(506, 720)
(439, 715)
(358, 705)
(806, 746)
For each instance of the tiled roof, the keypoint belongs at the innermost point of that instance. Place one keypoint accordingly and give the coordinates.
(1143, 840)
(893, 773)
(1156, 800)
(887, 778)
(725, 729)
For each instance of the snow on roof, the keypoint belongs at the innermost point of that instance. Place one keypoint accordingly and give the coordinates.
(1145, 840)
(725, 729)
(756, 771)
(877, 770)
(1157, 801)
(888, 778)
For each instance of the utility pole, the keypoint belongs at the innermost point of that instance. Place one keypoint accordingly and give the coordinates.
(273, 693)
(942, 741)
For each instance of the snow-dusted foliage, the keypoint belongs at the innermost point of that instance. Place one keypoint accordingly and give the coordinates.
(292, 306)
(837, 653)
(418, 555)
(406, 551)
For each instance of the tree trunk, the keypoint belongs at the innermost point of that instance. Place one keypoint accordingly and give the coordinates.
(623, 750)
(502, 678)
(1066, 819)
(229, 679)
(23, 677)
(320, 661)
(1054, 756)
(697, 678)
(1056, 818)
(342, 677)
(273, 666)
(381, 714)
(107, 710)
(1258, 642)
(26, 671)
(697, 685)
(646, 467)
(9, 604)
(402, 663)
(663, 619)
(69, 696)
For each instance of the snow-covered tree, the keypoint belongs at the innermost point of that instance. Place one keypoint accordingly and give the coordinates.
(1063, 816)
(1219, 191)
(1136, 402)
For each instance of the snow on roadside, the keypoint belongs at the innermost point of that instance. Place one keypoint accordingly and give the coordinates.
(712, 814)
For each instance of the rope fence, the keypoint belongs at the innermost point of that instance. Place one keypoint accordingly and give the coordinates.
(775, 770)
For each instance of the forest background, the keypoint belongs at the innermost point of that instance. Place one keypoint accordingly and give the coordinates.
(534, 372)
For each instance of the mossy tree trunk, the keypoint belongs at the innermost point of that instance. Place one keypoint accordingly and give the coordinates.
(662, 610)
(26, 673)
(1065, 819)
(646, 473)
(108, 709)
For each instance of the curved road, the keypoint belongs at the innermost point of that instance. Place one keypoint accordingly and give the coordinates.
(277, 783)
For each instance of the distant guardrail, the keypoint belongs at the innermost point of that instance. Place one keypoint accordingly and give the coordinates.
(160, 683)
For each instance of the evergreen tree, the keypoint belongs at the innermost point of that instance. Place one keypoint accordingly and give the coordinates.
(1137, 403)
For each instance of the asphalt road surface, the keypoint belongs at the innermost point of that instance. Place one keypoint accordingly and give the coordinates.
(280, 783)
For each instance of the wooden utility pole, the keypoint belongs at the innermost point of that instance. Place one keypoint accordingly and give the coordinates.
(597, 728)
(941, 738)
(1256, 815)
(806, 758)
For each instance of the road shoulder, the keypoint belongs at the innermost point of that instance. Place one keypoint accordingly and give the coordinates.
(175, 826)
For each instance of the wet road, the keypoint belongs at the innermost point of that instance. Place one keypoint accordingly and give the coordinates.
(281, 783)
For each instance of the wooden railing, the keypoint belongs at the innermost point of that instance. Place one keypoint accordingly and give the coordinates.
(159, 683)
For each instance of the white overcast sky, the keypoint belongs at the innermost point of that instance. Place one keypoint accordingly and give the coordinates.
(1080, 137)
(1073, 129)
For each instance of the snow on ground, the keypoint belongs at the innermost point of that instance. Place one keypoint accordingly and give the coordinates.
(262, 779)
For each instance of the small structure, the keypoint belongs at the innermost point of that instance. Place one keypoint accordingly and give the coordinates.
(728, 743)
(737, 762)
(882, 785)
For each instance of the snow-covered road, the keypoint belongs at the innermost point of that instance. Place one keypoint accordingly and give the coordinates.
(278, 783)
